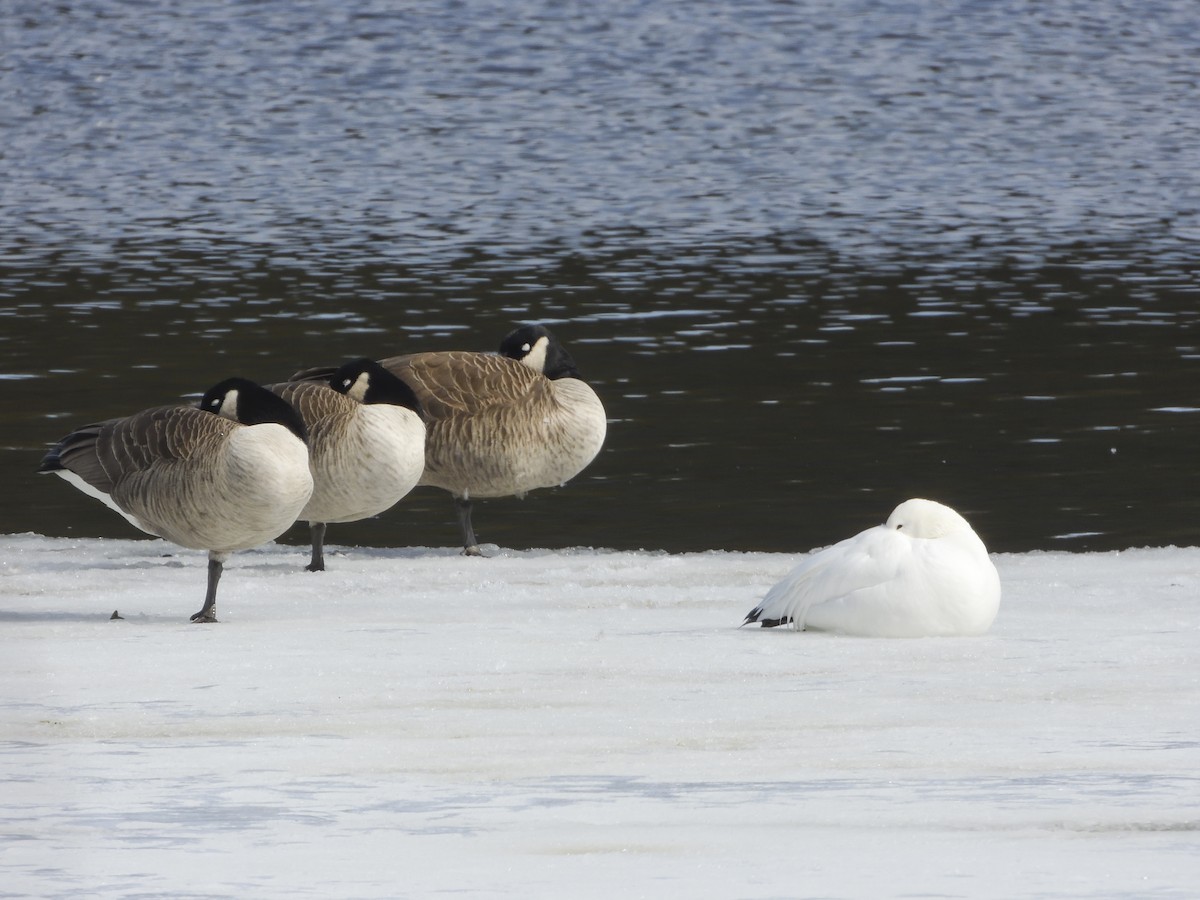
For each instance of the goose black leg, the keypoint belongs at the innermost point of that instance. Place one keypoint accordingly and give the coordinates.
(462, 506)
(317, 529)
(208, 613)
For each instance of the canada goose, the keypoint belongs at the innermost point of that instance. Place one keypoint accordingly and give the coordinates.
(193, 476)
(503, 424)
(366, 444)
(924, 572)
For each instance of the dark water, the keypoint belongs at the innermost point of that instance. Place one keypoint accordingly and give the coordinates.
(815, 257)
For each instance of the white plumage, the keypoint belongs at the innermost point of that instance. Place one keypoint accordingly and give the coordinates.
(923, 573)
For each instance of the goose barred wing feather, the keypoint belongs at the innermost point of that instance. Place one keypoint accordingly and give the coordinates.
(197, 479)
(313, 399)
(107, 453)
(148, 466)
(463, 383)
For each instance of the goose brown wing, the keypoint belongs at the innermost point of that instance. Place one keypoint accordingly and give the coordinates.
(107, 453)
(314, 400)
(461, 383)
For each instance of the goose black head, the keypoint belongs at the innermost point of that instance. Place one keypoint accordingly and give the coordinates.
(250, 403)
(367, 381)
(537, 348)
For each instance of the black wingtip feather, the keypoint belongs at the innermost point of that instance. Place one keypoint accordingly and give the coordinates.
(50, 463)
(53, 460)
(754, 616)
(317, 373)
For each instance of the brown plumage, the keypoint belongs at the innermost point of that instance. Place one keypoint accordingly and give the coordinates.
(198, 479)
(366, 442)
(501, 425)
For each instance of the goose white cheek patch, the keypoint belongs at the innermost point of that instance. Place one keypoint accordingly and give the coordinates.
(229, 406)
(536, 357)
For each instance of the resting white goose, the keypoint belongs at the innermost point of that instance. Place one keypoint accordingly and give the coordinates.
(226, 476)
(924, 572)
(366, 443)
(501, 425)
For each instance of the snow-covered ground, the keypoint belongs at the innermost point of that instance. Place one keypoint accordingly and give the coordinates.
(585, 723)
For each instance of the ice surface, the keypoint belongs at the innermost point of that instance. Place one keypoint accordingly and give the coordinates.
(585, 723)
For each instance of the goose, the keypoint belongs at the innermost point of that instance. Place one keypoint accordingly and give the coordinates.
(226, 476)
(922, 573)
(366, 444)
(506, 424)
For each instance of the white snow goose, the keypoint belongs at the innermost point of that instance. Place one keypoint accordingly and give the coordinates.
(924, 572)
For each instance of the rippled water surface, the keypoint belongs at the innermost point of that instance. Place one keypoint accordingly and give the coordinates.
(815, 257)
